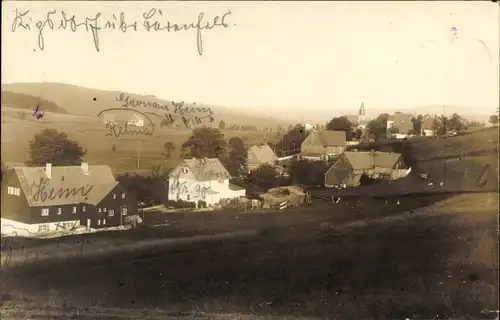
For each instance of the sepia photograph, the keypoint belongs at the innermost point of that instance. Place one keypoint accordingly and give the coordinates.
(250, 160)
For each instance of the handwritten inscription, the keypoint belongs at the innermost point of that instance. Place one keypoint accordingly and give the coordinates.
(118, 129)
(180, 188)
(37, 113)
(41, 191)
(189, 115)
(151, 22)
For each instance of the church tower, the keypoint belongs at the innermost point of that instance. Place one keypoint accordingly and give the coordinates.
(362, 113)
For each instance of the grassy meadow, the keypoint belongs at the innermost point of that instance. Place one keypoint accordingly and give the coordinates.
(439, 263)
(90, 132)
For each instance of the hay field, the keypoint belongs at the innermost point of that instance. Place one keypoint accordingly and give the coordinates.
(90, 132)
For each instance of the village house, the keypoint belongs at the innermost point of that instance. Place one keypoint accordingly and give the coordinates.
(402, 122)
(427, 126)
(259, 155)
(350, 166)
(38, 200)
(323, 144)
(203, 179)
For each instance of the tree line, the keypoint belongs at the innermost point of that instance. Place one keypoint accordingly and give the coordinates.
(29, 102)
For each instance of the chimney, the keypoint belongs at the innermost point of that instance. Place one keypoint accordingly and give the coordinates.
(85, 168)
(48, 170)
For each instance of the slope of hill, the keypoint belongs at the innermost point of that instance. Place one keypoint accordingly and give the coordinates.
(316, 115)
(30, 102)
(89, 102)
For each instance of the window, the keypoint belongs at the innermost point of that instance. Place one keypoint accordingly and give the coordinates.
(99, 210)
(124, 211)
(123, 195)
(104, 210)
(45, 212)
(43, 227)
(84, 208)
(103, 221)
(74, 209)
(111, 213)
(114, 195)
(14, 191)
(59, 211)
(99, 222)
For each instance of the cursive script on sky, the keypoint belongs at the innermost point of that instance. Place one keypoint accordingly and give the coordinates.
(152, 21)
(190, 115)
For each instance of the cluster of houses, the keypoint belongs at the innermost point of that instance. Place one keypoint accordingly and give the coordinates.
(50, 199)
(399, 120)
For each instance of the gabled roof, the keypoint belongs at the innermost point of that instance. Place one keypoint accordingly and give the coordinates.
(205, 169)
(427, 123)
(369, 160)
(328, 138)
(67, 185)
(262, 154)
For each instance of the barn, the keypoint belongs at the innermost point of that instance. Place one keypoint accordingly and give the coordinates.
(350, 166)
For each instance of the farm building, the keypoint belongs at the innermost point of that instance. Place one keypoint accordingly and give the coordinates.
(38, 200)
(400, 121)
(427, 126)
(202, 180)
(321, 144)
(259, 155)
(292, 195)
(350, 166)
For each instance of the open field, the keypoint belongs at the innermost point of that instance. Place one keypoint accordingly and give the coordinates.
(442, 263)
(473, 143)
(189, 224)
(90, 133)
(476, 142)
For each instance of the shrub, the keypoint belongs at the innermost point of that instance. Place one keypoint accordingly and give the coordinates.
(202, 204)
(180, 204)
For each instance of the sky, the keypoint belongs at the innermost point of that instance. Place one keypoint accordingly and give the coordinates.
(281, 55)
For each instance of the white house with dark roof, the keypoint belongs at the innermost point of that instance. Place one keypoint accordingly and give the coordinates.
(202, 180)
(38, 200)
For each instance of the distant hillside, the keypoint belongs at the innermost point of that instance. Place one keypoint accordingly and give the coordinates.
(30, 102)
(321, 116)
(89, 102)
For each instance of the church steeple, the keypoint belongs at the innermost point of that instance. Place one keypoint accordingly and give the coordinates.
(362, 112)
